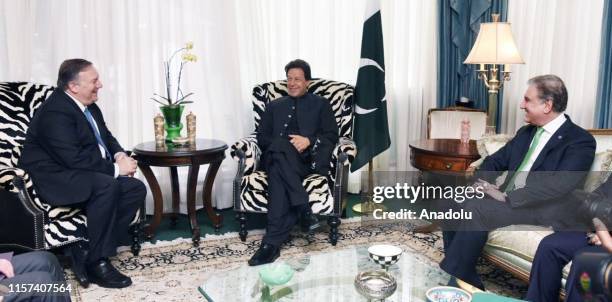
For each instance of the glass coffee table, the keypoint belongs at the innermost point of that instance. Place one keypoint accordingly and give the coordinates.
(326, 277)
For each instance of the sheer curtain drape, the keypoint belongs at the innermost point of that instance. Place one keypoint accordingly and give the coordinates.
(239, 44)
(558, 37)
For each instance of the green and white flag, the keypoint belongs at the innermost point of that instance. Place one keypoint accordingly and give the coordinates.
(370, 128)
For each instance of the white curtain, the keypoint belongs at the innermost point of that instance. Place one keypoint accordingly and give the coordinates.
(558, 37)
(239, 44)
(411, 36)
(128, 41)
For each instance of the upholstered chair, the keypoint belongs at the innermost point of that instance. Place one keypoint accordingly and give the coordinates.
(327, 193)
(26, 221)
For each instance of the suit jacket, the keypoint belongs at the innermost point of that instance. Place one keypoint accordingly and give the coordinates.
(61, 150)
(315, 120)
(570, 148)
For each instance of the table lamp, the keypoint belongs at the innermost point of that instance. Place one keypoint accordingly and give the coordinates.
(494, 47)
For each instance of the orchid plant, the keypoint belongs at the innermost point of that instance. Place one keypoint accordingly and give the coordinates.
(186, 57)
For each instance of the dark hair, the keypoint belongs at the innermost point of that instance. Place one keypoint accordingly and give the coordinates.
(69, 71)
(551, 87)
(301, 64)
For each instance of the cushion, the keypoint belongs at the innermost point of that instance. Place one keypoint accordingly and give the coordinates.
(254, 193)
(491, 143)
(521, 241)
(600, 170)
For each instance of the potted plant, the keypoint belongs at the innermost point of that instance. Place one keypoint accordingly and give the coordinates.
(172, 107)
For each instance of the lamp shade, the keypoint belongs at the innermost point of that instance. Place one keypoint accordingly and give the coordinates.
(494, 45)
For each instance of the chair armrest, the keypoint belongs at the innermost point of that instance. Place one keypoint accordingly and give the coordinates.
(344, 152)
(19, 212)
(247, 153)
(7, 175)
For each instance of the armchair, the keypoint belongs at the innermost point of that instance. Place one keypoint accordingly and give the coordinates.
(26, 221)
(327, 193)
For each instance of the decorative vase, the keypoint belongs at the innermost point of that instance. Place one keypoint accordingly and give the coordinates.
(172, 116)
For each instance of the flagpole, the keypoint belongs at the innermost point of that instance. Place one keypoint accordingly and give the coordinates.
(367, 207)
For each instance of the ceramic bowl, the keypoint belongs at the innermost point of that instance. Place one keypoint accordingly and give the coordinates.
(276, 274)
(375, 284)
(385, 255)
(447, 294)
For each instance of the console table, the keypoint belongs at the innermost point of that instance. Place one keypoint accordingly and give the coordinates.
(204, 151)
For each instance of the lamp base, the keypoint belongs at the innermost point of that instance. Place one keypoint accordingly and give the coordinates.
(367, 207)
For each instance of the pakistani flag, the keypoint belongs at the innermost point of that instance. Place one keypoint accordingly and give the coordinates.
(370, 128)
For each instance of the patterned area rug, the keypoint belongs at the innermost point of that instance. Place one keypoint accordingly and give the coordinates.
(172, 271)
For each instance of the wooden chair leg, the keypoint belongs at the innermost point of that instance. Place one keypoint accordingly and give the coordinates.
(241, 217)
(334, 223)
(136, 231)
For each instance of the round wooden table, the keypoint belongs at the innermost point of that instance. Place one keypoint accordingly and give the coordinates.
(442, 155)
(204, 151)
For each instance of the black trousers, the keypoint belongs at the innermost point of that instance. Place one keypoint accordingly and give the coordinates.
(36, 268)
(464, 240)
(287, 196)
(110, 209)
(554, 252)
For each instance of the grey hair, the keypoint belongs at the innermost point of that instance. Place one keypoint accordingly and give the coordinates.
(551, 87)
(69, 71)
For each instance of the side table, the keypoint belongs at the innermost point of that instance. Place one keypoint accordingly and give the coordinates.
(204, 151)
(442, 155)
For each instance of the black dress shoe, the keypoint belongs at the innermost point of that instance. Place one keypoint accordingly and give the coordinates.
(103, 273)
(266, 253)
(308, 221)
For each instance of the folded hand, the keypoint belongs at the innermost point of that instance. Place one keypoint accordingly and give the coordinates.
(299, 142)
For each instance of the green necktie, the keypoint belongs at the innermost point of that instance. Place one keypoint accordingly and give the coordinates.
(532, 147)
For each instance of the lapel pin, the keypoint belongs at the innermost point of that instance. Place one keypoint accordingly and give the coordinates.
(559, 137)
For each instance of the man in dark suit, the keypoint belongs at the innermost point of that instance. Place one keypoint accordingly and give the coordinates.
(74, 160)
(296, 135)
(556, 250)
(533, 193)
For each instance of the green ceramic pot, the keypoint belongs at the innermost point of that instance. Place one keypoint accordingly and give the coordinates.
(172, 116)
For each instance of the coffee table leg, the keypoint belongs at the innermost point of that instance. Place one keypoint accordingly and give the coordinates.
(192, 181)
(175, 195)
(215, 217)
(157, 199)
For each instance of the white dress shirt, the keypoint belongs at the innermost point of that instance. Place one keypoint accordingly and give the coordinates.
(549, 130)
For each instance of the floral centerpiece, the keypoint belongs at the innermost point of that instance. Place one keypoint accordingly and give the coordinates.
(172, 107)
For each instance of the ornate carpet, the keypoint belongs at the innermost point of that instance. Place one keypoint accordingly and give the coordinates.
(172, 271)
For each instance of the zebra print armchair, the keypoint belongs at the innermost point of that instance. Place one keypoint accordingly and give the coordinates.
(26, 221)
(327, 193)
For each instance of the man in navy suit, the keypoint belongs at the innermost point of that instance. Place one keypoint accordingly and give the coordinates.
(75, 160)
(558, 249)
(532, 195)
(296, 135)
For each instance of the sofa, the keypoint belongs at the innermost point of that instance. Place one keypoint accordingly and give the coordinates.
(513, 248)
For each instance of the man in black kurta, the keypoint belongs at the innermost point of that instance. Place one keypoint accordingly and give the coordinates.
(297, 134)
